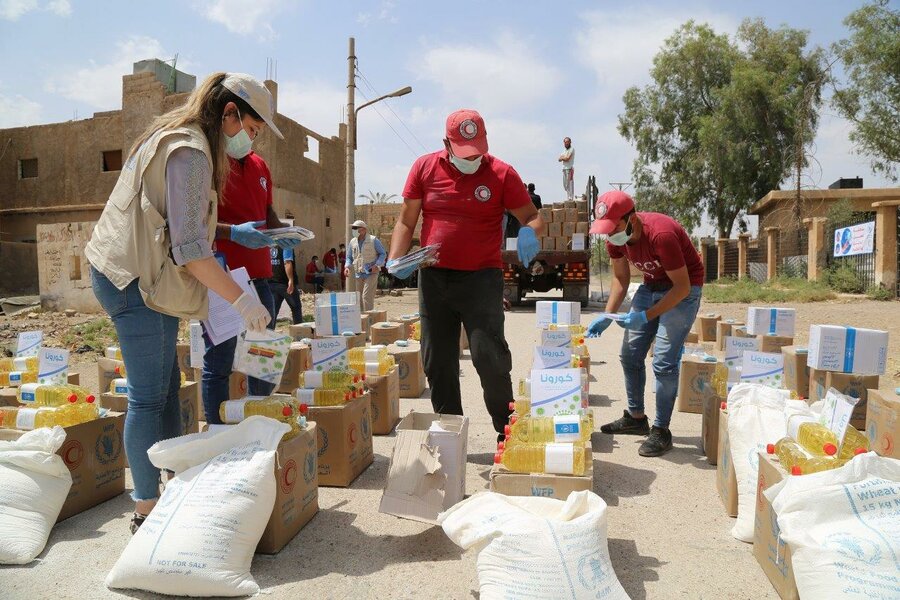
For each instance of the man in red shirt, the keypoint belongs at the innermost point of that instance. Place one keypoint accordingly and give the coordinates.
(662, 311)
(314, 274)
(462, 193)
(244, 208)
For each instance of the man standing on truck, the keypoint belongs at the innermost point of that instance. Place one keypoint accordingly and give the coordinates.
(535, 198)
(567, 158)
(462, 192)
(662, 312)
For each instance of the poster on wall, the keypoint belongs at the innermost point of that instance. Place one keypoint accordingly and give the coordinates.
(853, 240)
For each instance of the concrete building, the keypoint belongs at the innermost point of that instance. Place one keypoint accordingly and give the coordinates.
(64, 172)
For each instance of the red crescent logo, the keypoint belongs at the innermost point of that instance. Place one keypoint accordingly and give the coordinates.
(289, 476)
(72, 453)
(351, 435)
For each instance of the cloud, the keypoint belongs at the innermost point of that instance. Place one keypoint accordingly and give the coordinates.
(619, 46)
(100, 84)
(495, 78)
(11, 10)
(316, 105)
(836, 157)
(244, 18)
(385, 13)
(18, 111)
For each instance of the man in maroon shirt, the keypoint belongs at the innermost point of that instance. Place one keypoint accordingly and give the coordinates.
(462, 193)
(662, 311)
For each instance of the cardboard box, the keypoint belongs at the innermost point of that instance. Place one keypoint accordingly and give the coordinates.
(385, 392)
(297, 492)
(377, 316)
(726, 480)
(95, 455)
(706, 326)
(581, 206)
(568, 230)
(562, 243)
(694, 383)
(302, 331)
(571, 215)
(847, 350)
(546, 485)
(741, 332)
(183, 356)
(767, 320)
(427, 473)
(299, 359)
(344, 440)
(582, 227)
(559, 215)
(410, 370)
(883, 422)
(568, 204)
(855, 386)
(771, 552)
(546, 215)
(238, 385)
(774, 343)
(332, 282)
(709, 428)
(338, 312)
(692, 338)
(723, 330)
(583, 216)
(387, 333)
(366, 323)
(106, 372)
(548, 243)
(556, 311)
(408, 321)
(554, 229)
(191, 406)
(796, 372)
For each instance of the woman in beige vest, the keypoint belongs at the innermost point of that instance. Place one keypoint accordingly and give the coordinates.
(152, 258)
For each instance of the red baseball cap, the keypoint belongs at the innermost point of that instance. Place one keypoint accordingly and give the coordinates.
(611, 208)
(467, 134)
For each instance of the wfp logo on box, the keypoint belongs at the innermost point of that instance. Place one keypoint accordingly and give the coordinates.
(108, 446)
(323, 440)
(309, 467)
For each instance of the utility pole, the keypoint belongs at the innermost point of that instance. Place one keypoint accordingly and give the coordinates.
(621, 185)
(350, 200)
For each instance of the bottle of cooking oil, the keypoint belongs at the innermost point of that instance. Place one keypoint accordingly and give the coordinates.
(799, 462)
(333, 379)
(114, 352)
(19, 363)
(372, 368)
(320, 397)
(27, 418)
(543, 430)
(37, 394)
(813, 437)
(565, 459)
(525, 387)
(415, 331)
(278, 407)
(120, 370)
(17, 378)
(118, 386)
(521, 407)
(574, 329)
(367, 354)
(854, 443)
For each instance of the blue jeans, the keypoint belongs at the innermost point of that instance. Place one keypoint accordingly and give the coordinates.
(147, 339)
(218, 364)
(669, 332)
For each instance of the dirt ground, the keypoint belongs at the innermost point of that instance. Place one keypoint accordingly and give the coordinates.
(668, 535)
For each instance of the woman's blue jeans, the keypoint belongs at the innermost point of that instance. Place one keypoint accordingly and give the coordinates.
(147, 339)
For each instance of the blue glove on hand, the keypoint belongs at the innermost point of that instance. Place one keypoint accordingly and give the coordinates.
(247, 235)
(598, 326)
(403, 273)
(528, 245)
(634, 320)
(287, 243)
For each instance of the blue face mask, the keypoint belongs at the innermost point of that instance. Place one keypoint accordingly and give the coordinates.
(238, 145)
(621, 238)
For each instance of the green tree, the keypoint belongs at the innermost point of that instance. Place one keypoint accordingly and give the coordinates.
(871, 99)
(378, 197)
(715, 129)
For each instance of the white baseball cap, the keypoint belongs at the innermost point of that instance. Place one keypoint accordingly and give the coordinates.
(254, 93)
(359, 224)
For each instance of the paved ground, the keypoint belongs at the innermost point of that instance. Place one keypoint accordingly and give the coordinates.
(669, 537)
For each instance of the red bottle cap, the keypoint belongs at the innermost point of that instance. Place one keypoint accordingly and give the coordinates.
(860, 450)
(512, 406)
(90, 399)
(507, 429)
(770, 448)
(356, 379)
(513, 419)
(501, 445)
(498, 458)
(724, 405)
(796, 470)
(118, 370)
(304, 408)
(73, 398)
(829, 449)
(287, 411)
(347, 397)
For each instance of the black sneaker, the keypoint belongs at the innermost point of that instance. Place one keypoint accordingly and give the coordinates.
(627, 425)
(657, 443)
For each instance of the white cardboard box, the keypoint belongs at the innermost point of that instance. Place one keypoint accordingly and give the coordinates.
(512, 243)
(548, 357)
(558, 312)
(556, 392)
(771, 321)
(338, 312)
(764, 368)
(847, 350)
(427, 473)
(329, 353)
(560, 338)
(577, 241)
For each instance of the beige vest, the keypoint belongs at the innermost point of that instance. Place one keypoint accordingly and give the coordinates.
(131, 239)
(368, 254)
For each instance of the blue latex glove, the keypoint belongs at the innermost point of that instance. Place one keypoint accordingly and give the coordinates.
(247, 235)
(634, 320)
(598, 326)
(402, 273)
(287, 243)
(528, 245)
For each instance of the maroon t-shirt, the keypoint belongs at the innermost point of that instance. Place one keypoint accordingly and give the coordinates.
(664, 245)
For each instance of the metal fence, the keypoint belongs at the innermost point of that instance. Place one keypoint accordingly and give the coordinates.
(863, 264)
(757, 260)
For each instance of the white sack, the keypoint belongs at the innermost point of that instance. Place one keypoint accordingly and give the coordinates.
(843, 527)
(756, 418)
(34, 484)
(200, 538)
(533, 548)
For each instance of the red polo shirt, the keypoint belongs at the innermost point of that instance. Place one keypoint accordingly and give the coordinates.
(664, 245)
(247, 197)
(465, 212)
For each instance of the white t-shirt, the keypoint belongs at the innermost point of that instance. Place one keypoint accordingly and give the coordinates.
(568, 157)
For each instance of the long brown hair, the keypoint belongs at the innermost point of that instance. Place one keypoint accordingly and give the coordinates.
(204, 108)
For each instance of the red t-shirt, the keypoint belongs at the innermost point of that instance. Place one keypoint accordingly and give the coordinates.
(464, 213)
(664, 245)
(247, 197)
(329, 261)
(311, 271)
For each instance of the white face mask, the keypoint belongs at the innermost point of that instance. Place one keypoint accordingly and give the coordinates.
(466, 167)
(621, 238)
(238, 145)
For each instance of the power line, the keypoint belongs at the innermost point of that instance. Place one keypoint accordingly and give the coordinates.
(388, 104)
(399, 137)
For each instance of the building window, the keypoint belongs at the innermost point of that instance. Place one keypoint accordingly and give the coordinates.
(112, 160)
(28, 168)
(327, 221)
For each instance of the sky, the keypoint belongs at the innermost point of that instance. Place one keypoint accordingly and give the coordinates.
(536, 71)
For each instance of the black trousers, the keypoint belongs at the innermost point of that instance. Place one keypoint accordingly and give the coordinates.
(473, 299)
(279, 294)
